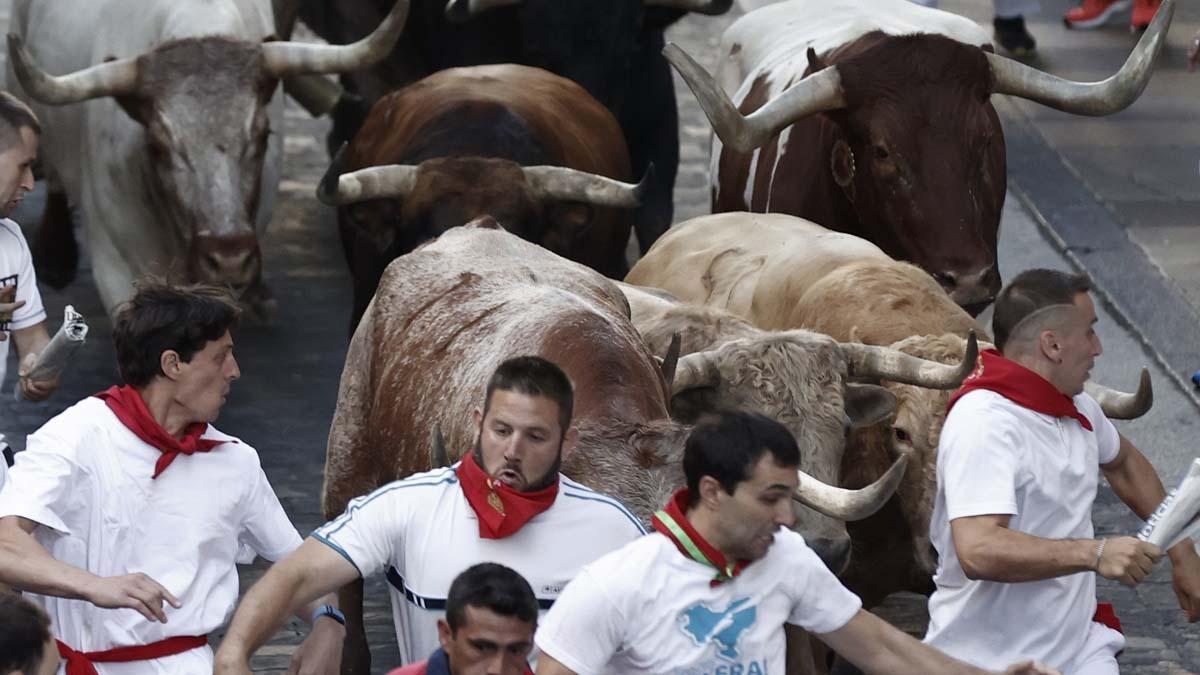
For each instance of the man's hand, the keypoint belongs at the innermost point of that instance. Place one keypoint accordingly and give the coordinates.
(34, 390)
(321, 651)
(1185, 577)
(1127, 560)
(133, 591)
(1030, 668)
(6, 312)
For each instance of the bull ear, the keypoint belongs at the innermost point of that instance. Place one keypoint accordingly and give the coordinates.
(867, 404)
(814, 62)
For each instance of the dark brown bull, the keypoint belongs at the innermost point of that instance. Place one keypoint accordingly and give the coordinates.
(529, 148)
(887, 136)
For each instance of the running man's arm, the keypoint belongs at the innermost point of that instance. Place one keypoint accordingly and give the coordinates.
(27, 566)
(30, 342)
(878, 647)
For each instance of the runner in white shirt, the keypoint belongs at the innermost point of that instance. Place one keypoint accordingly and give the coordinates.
(1017, 475)
(22, 317)
(424, 530)
(710, 591)
(128, 511)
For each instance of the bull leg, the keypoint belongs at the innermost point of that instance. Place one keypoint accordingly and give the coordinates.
(651, 125)
(800, 657)
(356, 656)
(55, 251)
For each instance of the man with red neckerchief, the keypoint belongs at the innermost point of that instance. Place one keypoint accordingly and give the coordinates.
(126, 513)
(711, 589)
(505, 502)
(1017, 476)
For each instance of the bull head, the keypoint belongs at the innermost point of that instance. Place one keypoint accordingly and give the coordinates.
(464, 10)
(204, 107)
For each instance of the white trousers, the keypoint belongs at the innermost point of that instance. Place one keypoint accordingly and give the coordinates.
(1099, 653)
(1004, 8)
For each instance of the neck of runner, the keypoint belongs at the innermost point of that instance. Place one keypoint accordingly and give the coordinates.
(687, 529)
(159, 398)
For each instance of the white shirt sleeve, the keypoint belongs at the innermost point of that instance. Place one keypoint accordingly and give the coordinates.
(41, 484)
(32, 313)
(978, 465)
(821, 603)
(1107, 437)
(584, 628)
(370, 530)
(266, 528)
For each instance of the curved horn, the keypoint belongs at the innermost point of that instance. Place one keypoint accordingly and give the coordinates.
(709, 7)
(695, 370)
(281, 59)
(670, 362)
(559, 182)
(890, 364)
(1120, 405)
(816, 93)
(843, 504)
(375, 182)
(460, 11)
(1088, 98)
(113, 78)
(437, 448)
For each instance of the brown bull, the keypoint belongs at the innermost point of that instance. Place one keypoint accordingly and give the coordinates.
(529, 148)
(874, 117)
(446, 315)
(780, 273)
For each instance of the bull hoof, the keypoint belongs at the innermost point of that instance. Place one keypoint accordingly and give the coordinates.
(55, 251)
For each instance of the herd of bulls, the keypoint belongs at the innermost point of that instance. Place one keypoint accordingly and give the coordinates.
(499, 154)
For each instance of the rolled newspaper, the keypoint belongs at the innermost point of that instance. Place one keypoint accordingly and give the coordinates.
(1178, 516)
(53, 359)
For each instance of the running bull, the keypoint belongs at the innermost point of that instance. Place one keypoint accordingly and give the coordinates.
(874, 117)
(164, 129)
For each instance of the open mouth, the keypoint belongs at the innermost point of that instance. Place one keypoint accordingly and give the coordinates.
(510, 477)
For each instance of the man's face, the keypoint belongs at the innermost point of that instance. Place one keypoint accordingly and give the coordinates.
(487, 643)
(748, 519)
(203, 383)
(16, 171)
(520, 442)
(1078, 345)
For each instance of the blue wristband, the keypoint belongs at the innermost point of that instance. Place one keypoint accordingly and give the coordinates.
(331, 612)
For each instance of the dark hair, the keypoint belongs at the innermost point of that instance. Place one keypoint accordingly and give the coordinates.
(14, 116)
(162, 316)
(728, 446)
(1030, 291)
(24, 631)
(534, 376)
(494, 587)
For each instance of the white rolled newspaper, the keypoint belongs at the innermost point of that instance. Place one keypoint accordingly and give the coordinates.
(53, 359)
(1178, 516)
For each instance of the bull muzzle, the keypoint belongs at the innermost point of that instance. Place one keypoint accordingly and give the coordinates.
(233, 261)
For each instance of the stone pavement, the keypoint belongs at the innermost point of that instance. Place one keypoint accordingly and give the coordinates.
(291, 367)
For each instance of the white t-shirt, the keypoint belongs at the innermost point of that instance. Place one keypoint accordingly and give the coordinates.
(647, 608)
(422, 532)
(86, 479)
(16, 268)
(997, 457)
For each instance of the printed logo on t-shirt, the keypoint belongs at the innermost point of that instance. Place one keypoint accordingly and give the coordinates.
(722, 628)
(7, 282)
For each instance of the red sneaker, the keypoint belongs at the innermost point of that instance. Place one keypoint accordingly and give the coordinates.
(1095, 13)
(1143, 13)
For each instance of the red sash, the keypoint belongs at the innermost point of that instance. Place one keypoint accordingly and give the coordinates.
(127, 404)
(1106, 615)
(82, 663)
(672, 523)
(1019, 385)
(501, 510)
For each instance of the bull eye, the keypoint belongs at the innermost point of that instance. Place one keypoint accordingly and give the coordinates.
(881, 153)
(901, 435)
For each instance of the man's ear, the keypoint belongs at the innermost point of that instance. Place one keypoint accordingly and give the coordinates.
(1050, 345)
(710, 491)
(445, 635)
(477, 417)
(170, 364)
(568, 444)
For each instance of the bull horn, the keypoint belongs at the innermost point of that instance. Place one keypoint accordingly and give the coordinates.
(112, 78)
(670, 362)
(375, 182)
(460, 11)
(557, 182)
(282, 59)
(886, 363)
(438, 457)
(696, 370)
(1120, 405)
(816, 93)
(709, 7)
(847, 505)
(1088, 98)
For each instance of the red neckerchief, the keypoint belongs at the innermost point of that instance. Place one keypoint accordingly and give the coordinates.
(83, 663)
(1019, 385)
(501, 510)
(672, 522)
(127, 404)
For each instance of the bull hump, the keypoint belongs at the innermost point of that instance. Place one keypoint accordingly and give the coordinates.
(730, 277)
